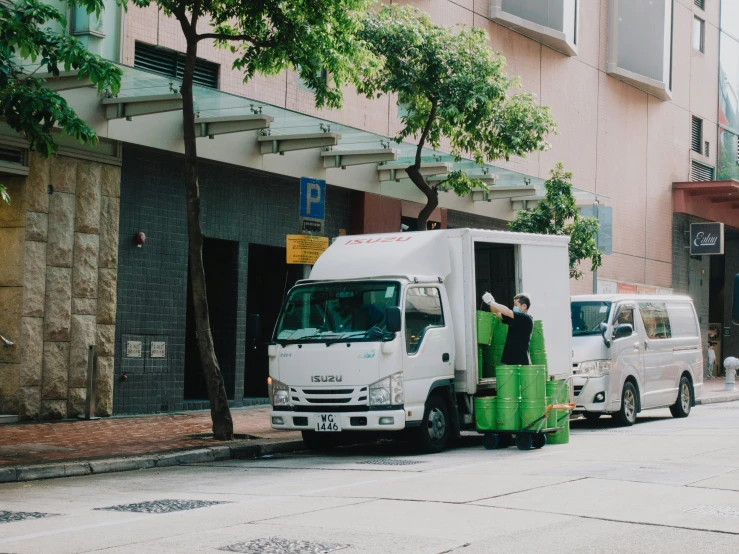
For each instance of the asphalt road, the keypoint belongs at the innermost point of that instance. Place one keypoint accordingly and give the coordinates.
(664, 485)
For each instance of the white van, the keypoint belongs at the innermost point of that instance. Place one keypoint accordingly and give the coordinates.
(632, 353)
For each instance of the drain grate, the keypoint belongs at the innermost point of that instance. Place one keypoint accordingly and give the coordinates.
(391, 462)
(275, 545)
(8, 517)
(163, 506)
(716, 511)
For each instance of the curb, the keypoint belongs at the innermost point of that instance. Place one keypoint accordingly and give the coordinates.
(114, 465)
(718, 399)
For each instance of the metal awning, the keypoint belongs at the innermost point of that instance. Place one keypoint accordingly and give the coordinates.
(711, 200)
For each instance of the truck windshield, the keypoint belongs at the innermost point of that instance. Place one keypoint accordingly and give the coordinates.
(337, 312)
(587, 317)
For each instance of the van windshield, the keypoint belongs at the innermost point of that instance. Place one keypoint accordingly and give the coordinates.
(587, 317)
(337, 312)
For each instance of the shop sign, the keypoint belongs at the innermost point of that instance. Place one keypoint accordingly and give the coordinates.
(627, 288)
(305, 249)
(706, 239)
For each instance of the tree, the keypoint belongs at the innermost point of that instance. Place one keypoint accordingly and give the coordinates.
(557, 215)
(25, 105)
(268, 36)
(453, 87)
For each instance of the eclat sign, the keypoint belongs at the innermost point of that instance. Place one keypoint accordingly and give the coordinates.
(706, 239)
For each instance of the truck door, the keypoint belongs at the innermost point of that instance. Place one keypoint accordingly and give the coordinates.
(627, 352)
(545, 277)
(428, 341)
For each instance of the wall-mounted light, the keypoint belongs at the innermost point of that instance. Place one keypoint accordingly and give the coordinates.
(140, 239)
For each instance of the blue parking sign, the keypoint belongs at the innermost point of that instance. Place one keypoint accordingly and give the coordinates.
(312, 198)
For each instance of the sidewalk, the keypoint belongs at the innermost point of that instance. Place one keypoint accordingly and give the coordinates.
(713, 391)
(63, 448)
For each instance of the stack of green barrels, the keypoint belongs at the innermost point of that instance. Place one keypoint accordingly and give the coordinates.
(491, 337)
(558, 393)
(537, 348)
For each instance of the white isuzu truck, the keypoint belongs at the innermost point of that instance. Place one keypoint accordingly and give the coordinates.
(382, 336)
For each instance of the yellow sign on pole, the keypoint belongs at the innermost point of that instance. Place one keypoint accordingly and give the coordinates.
(305, 249)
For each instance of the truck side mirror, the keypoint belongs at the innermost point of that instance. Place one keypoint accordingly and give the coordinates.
(623, 330)
(393, 319)
(603, 330)
(253, 326)
(735, 301)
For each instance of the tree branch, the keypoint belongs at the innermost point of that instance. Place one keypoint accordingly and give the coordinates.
(247, 38)
(425, 133)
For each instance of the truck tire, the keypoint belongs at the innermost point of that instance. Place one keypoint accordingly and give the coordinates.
(319, 442)
(436, 428)
(627, 414)
(681, 407)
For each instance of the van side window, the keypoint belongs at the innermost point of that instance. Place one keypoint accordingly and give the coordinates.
(682, 320)
(656, 320)
(422, 311)
(625, 317)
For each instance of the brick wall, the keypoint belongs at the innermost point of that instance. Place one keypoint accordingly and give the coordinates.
(238, 204)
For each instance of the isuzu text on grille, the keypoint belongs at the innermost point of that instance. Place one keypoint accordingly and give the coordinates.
(325, 379)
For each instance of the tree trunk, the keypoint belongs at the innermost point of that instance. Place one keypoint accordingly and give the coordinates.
(432, 197)
(219, 410)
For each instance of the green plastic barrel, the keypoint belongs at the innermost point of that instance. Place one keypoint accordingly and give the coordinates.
(508, 414)
(531, 412)
(507, 383)
(485, 327)
(497, 355)
(551, 416)
(563, 435)
(488, 361)
(538, 357)
(479, 362)
(533, 382)
(486, 413)
(500, 333)
(553, 387)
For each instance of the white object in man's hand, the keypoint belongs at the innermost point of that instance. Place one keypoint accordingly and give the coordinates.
(488, 298)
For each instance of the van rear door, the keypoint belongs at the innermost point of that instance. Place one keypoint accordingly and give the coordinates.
(687, 344)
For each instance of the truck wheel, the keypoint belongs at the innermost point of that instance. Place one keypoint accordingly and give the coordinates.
(490, 441)
(627, 414)
(592, 416)
(681, 407)
(524, 441)
(435, 429)
(320, 442)
(538, 441)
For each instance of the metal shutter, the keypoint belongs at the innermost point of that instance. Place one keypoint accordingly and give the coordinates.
(172, 64)
(701, 172)
(12, 154)
(696, 140)
(701, 4)
(707, 149)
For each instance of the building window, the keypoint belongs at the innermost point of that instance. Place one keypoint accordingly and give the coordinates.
(550, 22)
(640, 45)
(697, 135)
(707, 149)
(699, 31)
(172, 64)
(701, 4)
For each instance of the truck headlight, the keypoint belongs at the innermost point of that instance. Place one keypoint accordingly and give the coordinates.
(596, 368)
(279, 393)
(387, 391)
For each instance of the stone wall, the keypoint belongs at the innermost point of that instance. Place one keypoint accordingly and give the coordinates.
(58, 291)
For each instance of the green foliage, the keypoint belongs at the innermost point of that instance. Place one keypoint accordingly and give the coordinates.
(557, 215)
(25, 105)
(4, 194)
(452, 86)
(271, 35)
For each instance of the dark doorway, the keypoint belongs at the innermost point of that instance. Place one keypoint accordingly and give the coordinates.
(495, 272)
(221, 261)
(269, 279)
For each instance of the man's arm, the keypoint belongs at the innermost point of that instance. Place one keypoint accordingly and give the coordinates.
(495, 307)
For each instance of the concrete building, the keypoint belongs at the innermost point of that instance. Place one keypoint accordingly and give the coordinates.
(646, 113)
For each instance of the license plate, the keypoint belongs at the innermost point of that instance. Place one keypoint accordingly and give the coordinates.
(328, 423)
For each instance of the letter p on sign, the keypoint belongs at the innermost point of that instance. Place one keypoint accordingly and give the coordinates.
(312, 198)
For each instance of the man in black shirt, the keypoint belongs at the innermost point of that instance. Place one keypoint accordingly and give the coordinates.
(520, 326)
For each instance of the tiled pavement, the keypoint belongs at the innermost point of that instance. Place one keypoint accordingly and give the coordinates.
(40, 443)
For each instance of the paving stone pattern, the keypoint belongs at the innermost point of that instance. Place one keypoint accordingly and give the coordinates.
(9, 517)
(275, 545)
(163, 506)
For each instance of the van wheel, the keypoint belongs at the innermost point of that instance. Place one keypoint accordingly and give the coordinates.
(435, 429)
(681, 407)
(627, 414)
(319, 442)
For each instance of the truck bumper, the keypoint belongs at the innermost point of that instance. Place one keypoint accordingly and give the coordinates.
(381, 420)
(589, 398)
